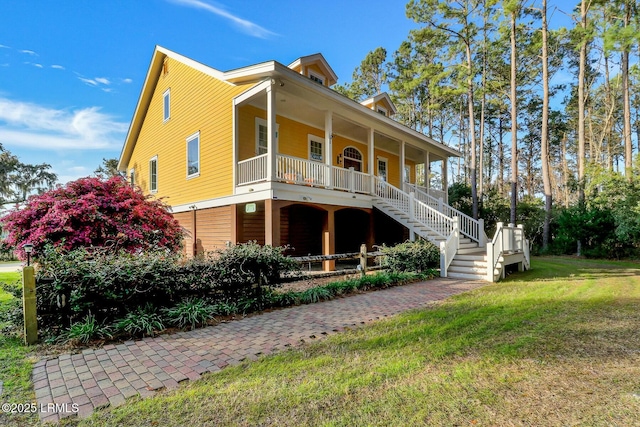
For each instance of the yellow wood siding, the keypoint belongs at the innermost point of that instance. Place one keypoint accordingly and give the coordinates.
(315, 69)
(199, 103)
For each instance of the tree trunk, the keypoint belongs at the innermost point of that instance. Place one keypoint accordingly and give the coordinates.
(472, 135)
(544, 141)
(628, 148)
(514, 122)
(581, 101)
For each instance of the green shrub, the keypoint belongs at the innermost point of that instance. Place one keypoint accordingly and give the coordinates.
(316, 294)
(142, 321)
(247, 264)
(416, 256)
(190, 312)
(112, 285)
(86, 330)
(225, 308)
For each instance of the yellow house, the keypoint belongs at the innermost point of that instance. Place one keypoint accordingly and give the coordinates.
(270, 153)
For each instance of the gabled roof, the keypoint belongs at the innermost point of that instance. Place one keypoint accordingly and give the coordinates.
(150, 81)
(381, 98)
(255, 74)
(318, 60)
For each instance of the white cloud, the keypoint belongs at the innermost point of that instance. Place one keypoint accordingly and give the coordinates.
(246, 26)
(28, 52)
(32, 126)
(127, 81)
(4, 47)
(37, 65)
(58, 67)
(103, 80)
(90, 82)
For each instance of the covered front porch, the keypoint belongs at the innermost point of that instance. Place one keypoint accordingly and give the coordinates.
(287, 132)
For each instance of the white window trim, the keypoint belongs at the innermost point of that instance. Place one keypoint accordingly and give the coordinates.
(344, 156)
(313, 75)
(153, 159)
(407, 176)
(386, 162)
(315, 138)
(382, 109)
(189, 139)
(263, 122)
(132, 176)
(166, 95)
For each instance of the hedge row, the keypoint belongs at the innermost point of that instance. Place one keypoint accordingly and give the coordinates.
(107, 286)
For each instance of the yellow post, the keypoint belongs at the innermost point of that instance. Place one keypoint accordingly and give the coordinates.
(29, 305)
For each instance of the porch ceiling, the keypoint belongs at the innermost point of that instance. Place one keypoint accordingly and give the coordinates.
(291, 104)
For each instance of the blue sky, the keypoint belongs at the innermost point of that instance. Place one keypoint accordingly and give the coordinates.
(71, 71)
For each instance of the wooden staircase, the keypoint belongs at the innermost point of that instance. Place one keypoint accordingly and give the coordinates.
(465, 251)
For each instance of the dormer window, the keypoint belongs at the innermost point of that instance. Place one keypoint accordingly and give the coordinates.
(316, 78)
(382, 111)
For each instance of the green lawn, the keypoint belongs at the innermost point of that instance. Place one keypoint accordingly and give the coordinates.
(558, 345)
(15, 361)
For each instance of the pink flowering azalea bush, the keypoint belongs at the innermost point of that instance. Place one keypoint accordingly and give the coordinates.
(93, 212)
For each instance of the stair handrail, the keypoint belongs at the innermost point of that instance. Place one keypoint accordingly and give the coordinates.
(494, 251)
(470, 227)
(507, 239)
(417, 210)
(449, 247)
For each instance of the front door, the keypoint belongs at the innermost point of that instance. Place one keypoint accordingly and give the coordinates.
(349, 163)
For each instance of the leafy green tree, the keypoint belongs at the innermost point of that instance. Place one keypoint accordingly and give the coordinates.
(108, 169)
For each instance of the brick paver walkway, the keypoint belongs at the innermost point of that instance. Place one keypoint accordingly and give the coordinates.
(78, 384)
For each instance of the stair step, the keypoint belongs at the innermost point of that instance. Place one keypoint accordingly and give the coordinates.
(470, 257)
(466, 276)
(474, 263)
(472, 251)
(468, 245)
(467, 270)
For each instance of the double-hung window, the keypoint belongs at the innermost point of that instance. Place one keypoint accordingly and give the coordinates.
(315, 148)
(153, 174)
(261, 136)
(193, 155)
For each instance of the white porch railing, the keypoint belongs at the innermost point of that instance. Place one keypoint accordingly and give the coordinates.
(252, 170)
(508, 240)
(294, 170)
(474, 229)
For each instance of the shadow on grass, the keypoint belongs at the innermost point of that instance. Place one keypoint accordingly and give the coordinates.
(573, 268)
(539, 323)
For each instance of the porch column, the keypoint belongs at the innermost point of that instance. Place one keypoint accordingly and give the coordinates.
(445, 179)
(234, 138)
(371, 166)
(271, 133)
(401, 184)
(427, 170)
(329, 240)
(271, 223)
(328, 137)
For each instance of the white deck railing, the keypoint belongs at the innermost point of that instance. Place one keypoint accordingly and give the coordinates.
(472, 228)
(252, 170)
(294, 170)
(507, 240)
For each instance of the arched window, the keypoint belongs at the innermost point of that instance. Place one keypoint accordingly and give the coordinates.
(352, 158)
